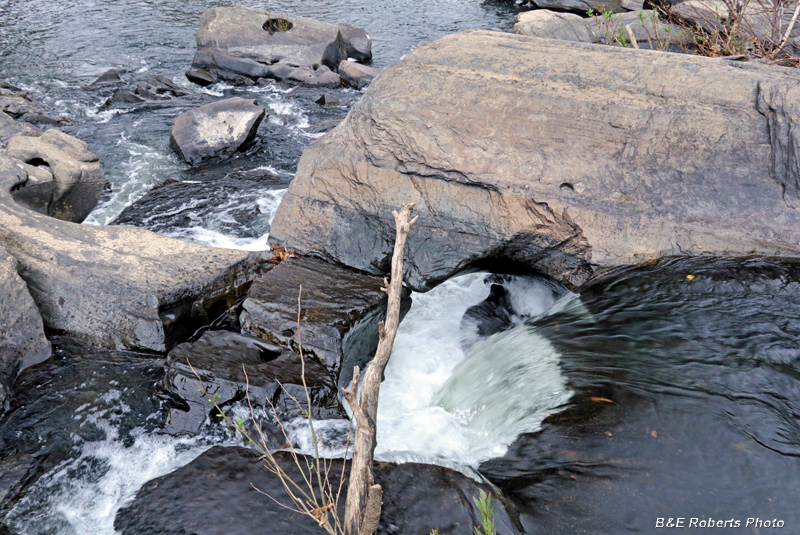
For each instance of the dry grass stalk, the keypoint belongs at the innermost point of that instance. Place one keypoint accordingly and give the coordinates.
(315, 496)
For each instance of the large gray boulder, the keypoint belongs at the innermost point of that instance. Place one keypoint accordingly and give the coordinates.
(559, 156)
(548, 24)
(22, 340)
(216, 129)
(645, 25)
(357, 42)
(69, 181)
(240, 41)
(118, 286)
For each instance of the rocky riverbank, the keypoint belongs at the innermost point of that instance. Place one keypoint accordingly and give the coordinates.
(567, 160)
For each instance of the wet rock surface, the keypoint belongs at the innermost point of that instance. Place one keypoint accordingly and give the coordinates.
(334, 301)
(110, 78)
(118, 286)
(180, 207)
(216, 129)
(417, 499)
(508, 192)
(220, 360)
(22, 340)
(159, 88)
(75, 182)
(673, 401)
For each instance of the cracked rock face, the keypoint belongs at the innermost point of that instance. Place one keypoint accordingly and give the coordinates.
(216, 129)
(558, 156)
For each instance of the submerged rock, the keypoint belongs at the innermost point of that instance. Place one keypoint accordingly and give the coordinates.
(216, 129)
(554, 155)
(118, 286)
(241, 41)
(76, 179)
(22, 340)
(417, 498)
(160, 88)
(237, 203)
(218, 358)
(111, 77)
(341, 309)
(357, 75)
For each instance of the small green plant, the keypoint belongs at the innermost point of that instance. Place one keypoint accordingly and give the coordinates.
(610, 26)
(661, 36)
(484, 504)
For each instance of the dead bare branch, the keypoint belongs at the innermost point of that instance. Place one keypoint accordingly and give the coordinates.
(363, 504)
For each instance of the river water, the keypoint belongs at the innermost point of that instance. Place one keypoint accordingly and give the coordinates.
(651, 394)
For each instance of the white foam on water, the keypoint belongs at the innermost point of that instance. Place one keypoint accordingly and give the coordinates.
(441, 405)
(81, 496)
(144, 168)
(284, 111)
(414, 424)
(267, 205)
(213, 238)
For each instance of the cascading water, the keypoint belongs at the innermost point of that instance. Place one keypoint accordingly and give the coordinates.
(458, 387)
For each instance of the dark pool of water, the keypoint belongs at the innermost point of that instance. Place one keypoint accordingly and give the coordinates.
(687, 404)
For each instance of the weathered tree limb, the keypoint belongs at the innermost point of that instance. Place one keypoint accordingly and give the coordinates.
(363, 505)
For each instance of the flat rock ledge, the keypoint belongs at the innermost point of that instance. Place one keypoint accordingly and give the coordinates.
(561, 157)
(417, 499)
(221, 358)
(118, 286)
(341, 309)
